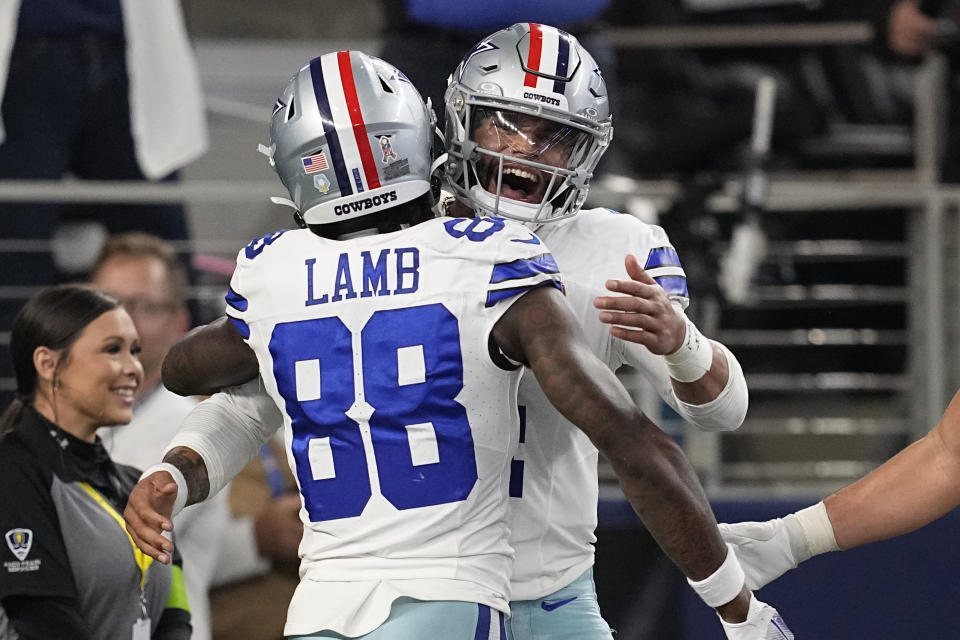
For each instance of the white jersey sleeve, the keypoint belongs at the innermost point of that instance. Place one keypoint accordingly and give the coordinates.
(228, 429)
(399, 425)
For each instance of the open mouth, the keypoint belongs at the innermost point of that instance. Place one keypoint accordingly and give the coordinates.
(519, 183)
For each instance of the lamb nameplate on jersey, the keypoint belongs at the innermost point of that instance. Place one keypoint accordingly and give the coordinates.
(392, 272)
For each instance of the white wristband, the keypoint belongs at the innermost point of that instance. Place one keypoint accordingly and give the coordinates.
(694, 357)
(724, 584)
(181, 500)
(817, 530)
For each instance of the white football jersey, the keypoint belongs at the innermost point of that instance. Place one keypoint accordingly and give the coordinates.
(399, 426)
(554, 484)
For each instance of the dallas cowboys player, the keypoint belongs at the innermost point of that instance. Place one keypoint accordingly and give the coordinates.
(527, 122)
(391, 356)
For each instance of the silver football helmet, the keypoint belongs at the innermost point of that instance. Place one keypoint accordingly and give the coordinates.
(350, 135)
(528, 119)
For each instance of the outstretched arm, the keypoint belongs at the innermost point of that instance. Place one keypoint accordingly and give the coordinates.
(706, 378)
(541, 331)
(209, 358)
(915, 487)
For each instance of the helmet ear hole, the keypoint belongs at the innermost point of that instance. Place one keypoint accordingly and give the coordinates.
(386, 87)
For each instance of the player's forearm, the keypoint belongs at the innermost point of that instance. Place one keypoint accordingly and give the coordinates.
(656, 477)
(665, 492)
(194, 471)
(915, 487)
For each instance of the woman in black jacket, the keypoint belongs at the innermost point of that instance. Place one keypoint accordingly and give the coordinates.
(69, 568)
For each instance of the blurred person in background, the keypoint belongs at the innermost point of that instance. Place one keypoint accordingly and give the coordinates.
(70, 570)
(143, 272)
(912, 29)
(98, 90)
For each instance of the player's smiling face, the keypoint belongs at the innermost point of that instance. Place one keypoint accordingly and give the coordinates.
(525, 137)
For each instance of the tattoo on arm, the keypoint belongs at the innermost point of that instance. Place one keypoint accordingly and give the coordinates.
(194, 471)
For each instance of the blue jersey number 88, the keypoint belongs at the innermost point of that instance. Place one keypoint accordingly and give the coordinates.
(421, 438)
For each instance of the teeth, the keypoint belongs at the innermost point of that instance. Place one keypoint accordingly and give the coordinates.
(522, 173)
(127, 393)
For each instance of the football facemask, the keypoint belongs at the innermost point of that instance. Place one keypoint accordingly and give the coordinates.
(527, 123)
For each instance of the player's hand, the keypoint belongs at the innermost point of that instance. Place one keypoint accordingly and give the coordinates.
(645, 315)
(762, 623)
(148, 515)
(766, 550)
(279, 528)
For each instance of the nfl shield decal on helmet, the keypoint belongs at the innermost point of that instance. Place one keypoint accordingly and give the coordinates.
(19, 541)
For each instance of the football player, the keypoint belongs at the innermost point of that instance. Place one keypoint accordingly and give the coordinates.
(389, 345)
(527, 122)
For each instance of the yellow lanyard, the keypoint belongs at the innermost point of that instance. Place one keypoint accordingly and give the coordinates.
(143, 560)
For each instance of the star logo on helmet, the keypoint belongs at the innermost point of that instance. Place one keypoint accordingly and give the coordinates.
(486, 45)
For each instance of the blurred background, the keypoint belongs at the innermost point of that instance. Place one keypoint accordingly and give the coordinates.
(818, 230)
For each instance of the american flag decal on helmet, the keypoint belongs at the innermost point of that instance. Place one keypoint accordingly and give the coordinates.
(314, 163)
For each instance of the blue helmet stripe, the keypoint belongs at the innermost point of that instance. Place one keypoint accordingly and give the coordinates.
(329, 130)
(524, 268)
(563, 60)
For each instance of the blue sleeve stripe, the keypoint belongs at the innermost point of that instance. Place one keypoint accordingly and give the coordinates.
(493, 297)
(674, 285)
(236, 300)
(241, 326)
(662, 257)
(524, 268)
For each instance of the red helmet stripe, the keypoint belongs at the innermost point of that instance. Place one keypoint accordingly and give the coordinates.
(533, 55)
(356, 118)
